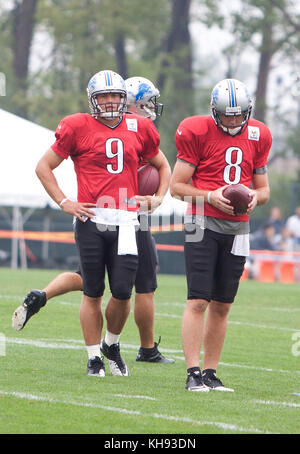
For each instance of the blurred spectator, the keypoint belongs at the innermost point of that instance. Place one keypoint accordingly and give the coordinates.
(293, 225)
(264, 238)
(276, 220)
(285, 242)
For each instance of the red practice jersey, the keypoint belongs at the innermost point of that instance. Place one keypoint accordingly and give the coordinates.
(221, 159)
(106, 159)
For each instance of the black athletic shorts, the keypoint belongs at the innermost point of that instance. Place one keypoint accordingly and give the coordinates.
(145, 281)
(99, 250)
(213, 272)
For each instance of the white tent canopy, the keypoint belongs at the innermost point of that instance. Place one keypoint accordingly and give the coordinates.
(22, 145)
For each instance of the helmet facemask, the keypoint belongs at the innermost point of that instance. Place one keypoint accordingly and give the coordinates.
(142, 96)
(231, 130)
(150, 109)
(107, 109)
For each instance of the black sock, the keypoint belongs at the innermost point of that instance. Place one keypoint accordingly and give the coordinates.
(149, 351)
(192, 370)
(209, 371)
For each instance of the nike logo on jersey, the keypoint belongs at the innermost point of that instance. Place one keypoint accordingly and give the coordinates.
(179, 132)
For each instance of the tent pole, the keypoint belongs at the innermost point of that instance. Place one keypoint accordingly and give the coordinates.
(14, 245)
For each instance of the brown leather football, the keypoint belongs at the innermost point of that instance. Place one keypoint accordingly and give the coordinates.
(239, 197)
(148, 180)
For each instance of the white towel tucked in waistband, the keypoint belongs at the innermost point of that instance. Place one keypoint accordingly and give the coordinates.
(127, 240)
(241, 245)
(111, 216)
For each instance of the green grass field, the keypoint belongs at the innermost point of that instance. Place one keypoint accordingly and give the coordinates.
(44, 388)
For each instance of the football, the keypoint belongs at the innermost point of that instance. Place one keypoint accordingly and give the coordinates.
(239, 197)
(148, 180)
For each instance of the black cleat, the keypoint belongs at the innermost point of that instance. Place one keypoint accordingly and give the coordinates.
(115, 361)
(213, 382)
(95, 367)
(152, 355)
(194, 382)
(30, 306)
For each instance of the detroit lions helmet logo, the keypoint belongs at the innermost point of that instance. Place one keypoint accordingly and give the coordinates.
(143, 89)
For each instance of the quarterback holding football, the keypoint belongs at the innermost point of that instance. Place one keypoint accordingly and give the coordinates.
(226, 148)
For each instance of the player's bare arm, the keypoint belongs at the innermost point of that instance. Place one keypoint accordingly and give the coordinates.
(260, 191)
(44, 171)
(180, 188)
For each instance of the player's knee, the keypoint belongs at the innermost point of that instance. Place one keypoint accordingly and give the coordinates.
(197, 306)
(220, 309)
(121, 291)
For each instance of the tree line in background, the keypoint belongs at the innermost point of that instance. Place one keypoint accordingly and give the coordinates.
(50, 49)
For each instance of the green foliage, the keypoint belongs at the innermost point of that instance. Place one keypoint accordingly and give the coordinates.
(79, 38)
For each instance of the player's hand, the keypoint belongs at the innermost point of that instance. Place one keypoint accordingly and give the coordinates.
(81, 210)
(218, 201)
(253, 202)
(149, 203)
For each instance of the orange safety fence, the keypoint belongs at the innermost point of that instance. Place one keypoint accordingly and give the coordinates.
(272, 266)
(262, 265)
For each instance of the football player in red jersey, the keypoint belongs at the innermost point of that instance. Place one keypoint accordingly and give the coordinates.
(105, 147)
(213, 152)
(142, 99)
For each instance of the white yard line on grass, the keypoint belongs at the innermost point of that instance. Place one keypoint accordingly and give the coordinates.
(160, 314)
(256, 325)
(127, 396)
(272, 402)
(127, 348)
(189, 421)
(232, 322)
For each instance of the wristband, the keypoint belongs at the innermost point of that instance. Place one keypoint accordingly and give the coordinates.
(208, 197)
(63, 201)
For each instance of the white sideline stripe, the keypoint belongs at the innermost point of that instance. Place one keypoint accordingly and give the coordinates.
(40, 344)
(160, 314)
(275, 309)
(231, 322)
(126, 396)
(255, 325)
(65, 345)
(280, 309)
(264, 369)
(272, 402)
(221, 425)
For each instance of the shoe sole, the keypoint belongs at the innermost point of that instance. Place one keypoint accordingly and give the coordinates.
(157, 362)
(222, 389)
(202, 389)
(100, 375)
(115, 370)
(19, 318)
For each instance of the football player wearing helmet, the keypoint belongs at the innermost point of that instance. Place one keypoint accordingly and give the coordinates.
(213, 152)
(107, 101)
(231, 106)
(142, 97)
(106, 93)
